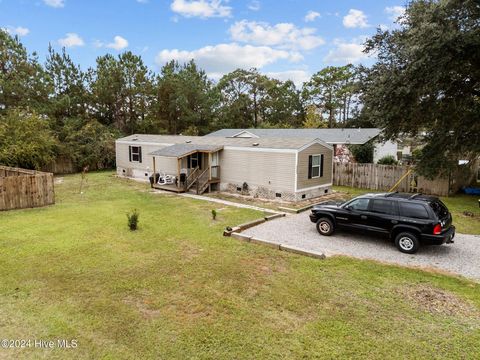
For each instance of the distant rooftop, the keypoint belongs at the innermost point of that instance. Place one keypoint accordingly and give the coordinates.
(218, 141)
(330, 136)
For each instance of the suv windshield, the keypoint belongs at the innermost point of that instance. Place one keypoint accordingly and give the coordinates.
(439, 209)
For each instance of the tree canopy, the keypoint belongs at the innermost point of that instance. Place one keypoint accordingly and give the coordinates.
(426, 81)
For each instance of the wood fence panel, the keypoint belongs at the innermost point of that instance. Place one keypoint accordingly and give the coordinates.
(21, 188)
(384, 177)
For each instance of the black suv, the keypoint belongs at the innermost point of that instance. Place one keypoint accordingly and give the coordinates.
(409, 220)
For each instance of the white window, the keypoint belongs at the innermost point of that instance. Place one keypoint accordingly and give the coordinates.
(136, 154)
(315, 166)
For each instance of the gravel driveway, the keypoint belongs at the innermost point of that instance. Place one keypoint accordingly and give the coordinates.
(462, 257)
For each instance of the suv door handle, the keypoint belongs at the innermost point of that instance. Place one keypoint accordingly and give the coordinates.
(363, 217)
(394, 222)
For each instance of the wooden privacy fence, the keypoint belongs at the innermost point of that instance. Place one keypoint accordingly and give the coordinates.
(21, 188)
(384, 177)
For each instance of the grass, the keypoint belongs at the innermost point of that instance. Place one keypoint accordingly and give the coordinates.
(177, 289)
(459, 205)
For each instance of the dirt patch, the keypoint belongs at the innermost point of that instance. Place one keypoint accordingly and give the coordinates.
(143, 306)
(439, 301)
(189, 252)
(264, 266)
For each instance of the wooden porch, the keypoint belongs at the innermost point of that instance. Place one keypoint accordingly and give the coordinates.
(199, 183)
(197, 168)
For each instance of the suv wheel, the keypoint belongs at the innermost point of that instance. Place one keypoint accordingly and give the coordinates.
(325, 226)
(407, 243)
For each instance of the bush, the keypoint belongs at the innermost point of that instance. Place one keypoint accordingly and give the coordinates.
(387, 160)
(214, 214)
(26, 140)
(133, 220)
(363, 154)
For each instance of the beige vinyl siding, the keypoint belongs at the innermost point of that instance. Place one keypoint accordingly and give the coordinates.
(167, 165)
(272, 169)
(303, 182)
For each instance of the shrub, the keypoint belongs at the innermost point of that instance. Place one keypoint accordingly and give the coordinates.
(133, 220)
(363, 154)
(26, 140)
(214, 214)
(387, 160)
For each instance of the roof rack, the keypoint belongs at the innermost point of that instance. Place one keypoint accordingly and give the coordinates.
(391, 194)
(414, 196)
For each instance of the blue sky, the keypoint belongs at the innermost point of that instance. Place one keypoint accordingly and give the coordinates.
(283, 38)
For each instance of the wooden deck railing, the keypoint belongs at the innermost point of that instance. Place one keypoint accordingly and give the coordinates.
(191, 178)
(202, 181)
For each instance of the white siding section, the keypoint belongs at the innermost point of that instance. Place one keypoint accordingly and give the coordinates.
(384, 149)
(273, 170)
(138, 170)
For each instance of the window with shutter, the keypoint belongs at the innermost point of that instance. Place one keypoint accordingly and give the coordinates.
(314, 166)
(135, 154)
(310, 166)
(321, 165)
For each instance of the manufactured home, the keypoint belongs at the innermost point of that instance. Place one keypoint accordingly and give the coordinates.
(286, 168)
(339, 138)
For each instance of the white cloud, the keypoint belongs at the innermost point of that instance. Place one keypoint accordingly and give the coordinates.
(347, 52)
(118, 43)
(19, 30)
(201, 8)
(355, 19)
(383, 27)
(395, 12)
(142, 1)
(71, 40)
(223, 58)
(254, 5)
(55, 3)
(297, 76)
(311, 16)
(283, 35)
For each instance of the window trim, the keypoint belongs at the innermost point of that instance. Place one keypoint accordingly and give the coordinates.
(319, 166)
(137, 153)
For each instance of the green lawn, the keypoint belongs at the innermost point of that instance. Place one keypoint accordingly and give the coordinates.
(457, 204)
(177, 289)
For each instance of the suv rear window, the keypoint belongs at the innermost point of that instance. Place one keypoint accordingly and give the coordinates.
(413, 210)
(439, 209)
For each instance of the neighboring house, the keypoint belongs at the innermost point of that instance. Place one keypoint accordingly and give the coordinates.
(286, 168)
(339, 138)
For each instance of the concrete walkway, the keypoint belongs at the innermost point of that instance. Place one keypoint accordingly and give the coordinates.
(229, 203)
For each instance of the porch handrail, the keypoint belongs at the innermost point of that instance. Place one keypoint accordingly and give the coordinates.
(191, 178)
(202, 180)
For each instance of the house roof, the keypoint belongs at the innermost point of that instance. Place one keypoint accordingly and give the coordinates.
(330, 136)
(181, 150)
(264, 142)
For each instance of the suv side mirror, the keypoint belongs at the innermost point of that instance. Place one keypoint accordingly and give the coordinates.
(348, 207)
